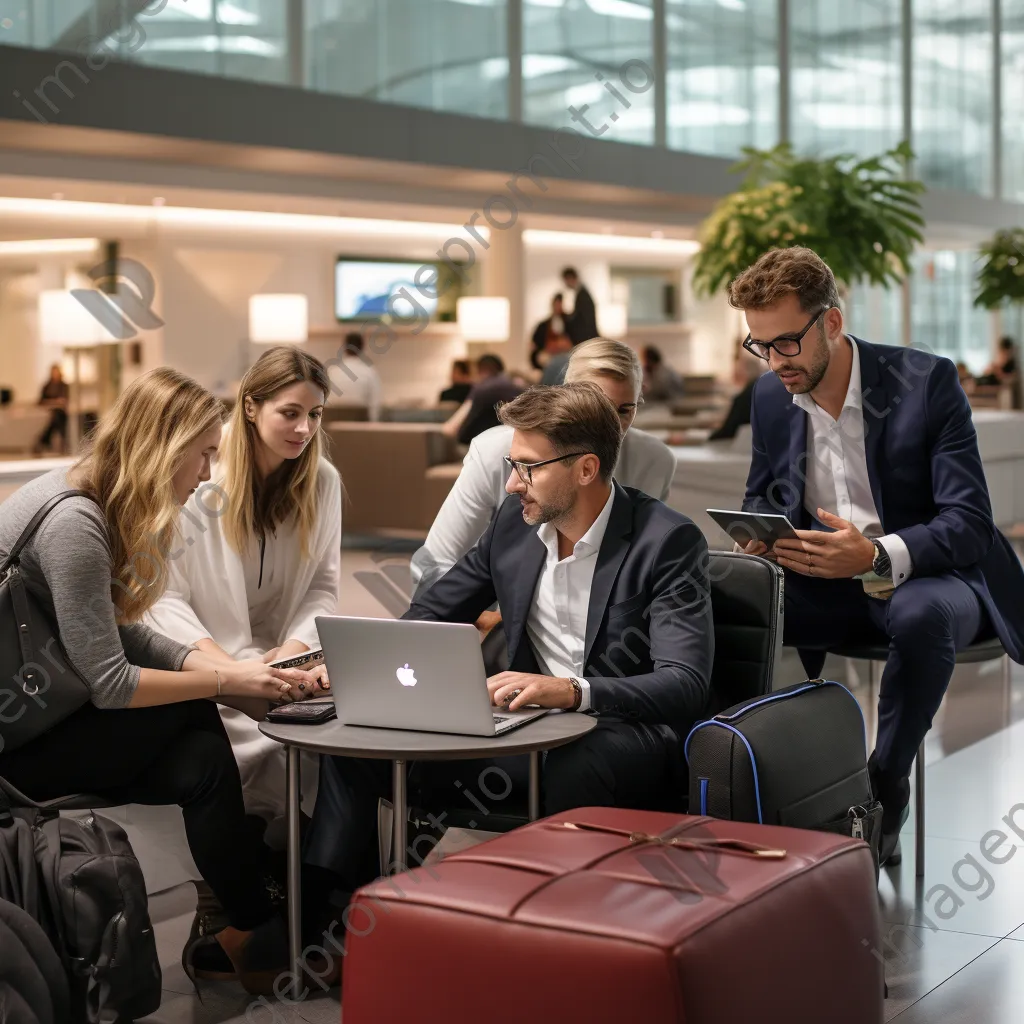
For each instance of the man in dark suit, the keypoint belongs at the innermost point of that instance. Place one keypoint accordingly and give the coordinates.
(871, 452)
(605, 597)
(581, 323)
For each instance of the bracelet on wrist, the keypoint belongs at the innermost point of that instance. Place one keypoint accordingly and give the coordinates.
(577, 693)
(216, 672)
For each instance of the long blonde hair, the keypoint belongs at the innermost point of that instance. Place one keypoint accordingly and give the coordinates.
(128, 467)
(256, 507)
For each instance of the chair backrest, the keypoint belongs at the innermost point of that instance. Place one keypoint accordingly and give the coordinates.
(747, 601)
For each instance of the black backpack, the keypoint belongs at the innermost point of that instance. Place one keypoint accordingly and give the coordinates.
(33, 989)
(86, 890)
(794, 757)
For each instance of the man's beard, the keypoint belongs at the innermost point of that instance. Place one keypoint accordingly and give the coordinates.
(556, 509)
(815, 373)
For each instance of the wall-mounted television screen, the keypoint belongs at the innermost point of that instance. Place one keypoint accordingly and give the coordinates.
(365, 289)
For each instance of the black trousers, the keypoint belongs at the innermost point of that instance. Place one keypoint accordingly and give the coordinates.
(925, 622)
(168, 754)
(617, 764)
(58, 425)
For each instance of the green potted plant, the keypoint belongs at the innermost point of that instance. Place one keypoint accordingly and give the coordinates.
(1001, 275)
(861, 216)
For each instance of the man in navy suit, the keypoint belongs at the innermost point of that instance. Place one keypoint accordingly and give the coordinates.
(871, 452)
(605, 596)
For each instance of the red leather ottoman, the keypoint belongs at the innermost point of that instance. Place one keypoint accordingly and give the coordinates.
(561, 924)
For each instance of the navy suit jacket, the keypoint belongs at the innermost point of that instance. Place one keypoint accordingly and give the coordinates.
(926, 474)
(650, 639)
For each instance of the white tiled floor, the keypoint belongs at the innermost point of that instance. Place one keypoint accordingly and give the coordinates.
(964, 968)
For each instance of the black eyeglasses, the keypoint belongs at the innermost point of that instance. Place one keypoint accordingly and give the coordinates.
(525, 469)
(786, 345)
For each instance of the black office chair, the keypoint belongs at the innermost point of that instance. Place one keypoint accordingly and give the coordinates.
(747, 601)
(877, 654)
(747, 606)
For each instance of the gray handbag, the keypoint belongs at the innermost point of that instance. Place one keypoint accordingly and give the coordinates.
(38, 686)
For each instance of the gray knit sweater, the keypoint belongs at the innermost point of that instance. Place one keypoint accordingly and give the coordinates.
(67, 567)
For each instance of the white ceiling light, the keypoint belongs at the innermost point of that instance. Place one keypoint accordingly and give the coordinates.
(191, 216)
(48, 246)
(536, 238)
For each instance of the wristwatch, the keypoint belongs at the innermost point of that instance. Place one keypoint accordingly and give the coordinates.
(577, 691)
(882, 565)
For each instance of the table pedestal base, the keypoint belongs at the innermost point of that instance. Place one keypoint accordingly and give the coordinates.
(399, 835)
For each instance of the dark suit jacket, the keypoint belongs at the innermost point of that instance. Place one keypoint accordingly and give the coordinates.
(582, 325)
(926, 474)
(650, 641)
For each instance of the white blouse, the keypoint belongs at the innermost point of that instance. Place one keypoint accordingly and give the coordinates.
(215, 592)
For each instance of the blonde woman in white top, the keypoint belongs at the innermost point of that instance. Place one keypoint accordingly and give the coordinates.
(259, 555)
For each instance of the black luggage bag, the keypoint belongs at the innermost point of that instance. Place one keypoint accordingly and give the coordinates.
(794, 757)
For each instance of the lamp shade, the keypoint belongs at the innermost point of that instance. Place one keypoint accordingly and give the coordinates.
(64, 321)
(612, 319)
(483, 318)
(278, 319)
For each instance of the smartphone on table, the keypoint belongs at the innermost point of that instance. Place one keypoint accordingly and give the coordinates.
(304, 712)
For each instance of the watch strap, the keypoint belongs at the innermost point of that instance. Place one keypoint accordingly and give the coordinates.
(882, 564)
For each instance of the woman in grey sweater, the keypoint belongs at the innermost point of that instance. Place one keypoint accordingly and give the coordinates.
(150, 733)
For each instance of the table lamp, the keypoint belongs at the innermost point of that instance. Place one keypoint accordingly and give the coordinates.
(483, 318)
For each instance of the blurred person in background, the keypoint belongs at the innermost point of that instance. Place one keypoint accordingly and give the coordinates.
(476, 414)
(581, 323)
(745, 373)
(661, 382)
(550, 336)
(558, 364)
(1004, 370)
(462, 382)
(359, 382)
(55, 396)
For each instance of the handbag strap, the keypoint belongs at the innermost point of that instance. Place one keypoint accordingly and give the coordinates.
(34, 523)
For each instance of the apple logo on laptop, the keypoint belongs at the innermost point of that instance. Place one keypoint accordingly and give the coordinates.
(406, 675)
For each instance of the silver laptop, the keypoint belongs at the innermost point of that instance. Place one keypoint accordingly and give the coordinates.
(402, 674)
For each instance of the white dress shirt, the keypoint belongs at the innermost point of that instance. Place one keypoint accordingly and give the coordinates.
(837, 470)
(644, 463)
(557, 623)
(358, 383)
